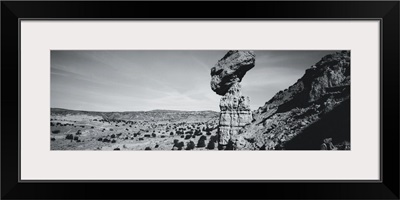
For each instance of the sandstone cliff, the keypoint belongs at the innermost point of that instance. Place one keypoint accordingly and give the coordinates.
(315, 108)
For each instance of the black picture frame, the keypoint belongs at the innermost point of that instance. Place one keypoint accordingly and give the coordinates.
(13, 11)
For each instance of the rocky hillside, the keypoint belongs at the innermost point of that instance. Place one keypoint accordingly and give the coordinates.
(153, 115)
(313, 113)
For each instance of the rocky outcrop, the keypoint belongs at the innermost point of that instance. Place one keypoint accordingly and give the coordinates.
(331, 73)
(316, 107)
(226, 76)
(235, 114)
(230, 69)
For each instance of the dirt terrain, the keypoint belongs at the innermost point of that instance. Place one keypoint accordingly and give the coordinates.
(82, 130)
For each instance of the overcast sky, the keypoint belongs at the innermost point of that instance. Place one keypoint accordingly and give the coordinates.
(163, 79)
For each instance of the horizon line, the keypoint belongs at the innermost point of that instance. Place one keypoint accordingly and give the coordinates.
(134, 110)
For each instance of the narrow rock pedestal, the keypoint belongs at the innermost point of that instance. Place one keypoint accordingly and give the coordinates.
(235, 114)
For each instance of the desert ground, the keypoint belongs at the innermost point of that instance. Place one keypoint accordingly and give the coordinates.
(88, 132)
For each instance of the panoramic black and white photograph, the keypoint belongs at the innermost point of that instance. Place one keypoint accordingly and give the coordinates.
(200, 100)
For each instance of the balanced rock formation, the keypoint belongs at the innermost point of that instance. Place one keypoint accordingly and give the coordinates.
(230, 69)
(235, 108)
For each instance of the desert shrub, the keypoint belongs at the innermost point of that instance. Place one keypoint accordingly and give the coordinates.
(153, 135)
(106, 140)
(190, 145)
(55, 131)
(126, 138)
(69, 137)
(147, 148)
(178, 145)
(163, 136)
(198, 133)
(134, 135)
(117, 149)
(156, 146)
(201, 143)
(141, 139)
(76, 138)
(83, 126)
(176, 141)
(188, 137)
(92, 127)
(53, 139)
(100, 139)
(193, 136)
(113, 141)
(182, 136)
(211, 145)
(51, 124)
(146, 135)
(111, 129)
(172, 133)
(113, 136)
(78, 133)
(214, 138)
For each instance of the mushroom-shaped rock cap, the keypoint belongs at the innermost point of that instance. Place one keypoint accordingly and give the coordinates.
(230, 69)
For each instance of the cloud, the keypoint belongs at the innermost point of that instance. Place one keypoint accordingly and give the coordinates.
(129, 80)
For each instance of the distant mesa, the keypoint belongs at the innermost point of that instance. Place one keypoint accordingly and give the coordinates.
(155, 115)
(230, 69)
